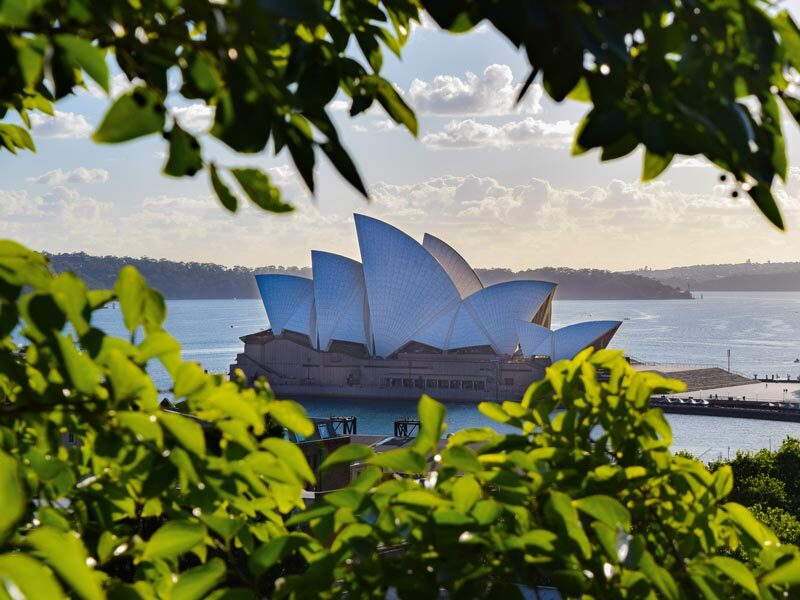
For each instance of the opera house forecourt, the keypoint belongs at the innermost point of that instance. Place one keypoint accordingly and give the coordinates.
(409, 318)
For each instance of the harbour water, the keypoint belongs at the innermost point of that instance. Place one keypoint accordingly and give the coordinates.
(761, 329)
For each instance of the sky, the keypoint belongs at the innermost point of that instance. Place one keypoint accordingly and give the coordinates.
(495, 181)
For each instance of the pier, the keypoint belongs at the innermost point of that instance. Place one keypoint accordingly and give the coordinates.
(742, 409)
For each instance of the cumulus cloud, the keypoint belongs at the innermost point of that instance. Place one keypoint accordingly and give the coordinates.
(60, 206)
(63, 125)
(194, 117)
(618, 225)
(80, 175)
(492, 93)
(468, 133)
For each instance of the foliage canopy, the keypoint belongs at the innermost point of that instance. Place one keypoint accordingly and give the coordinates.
(582, 494)
(696, 77)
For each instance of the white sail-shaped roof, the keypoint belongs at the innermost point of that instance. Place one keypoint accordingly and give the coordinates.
(437, 332)
(467, 331)
(534, 339)
(340, 298)
(464, 277)
(404, 291)
(288, 300)
(499, 307)
(569, 341)
(407, 288)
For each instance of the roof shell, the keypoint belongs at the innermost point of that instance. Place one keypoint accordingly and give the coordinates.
(464, 277)
(407, 288)
(498, 308)
(288, 300)
(569, 341)
(534, 339)
(340, 299)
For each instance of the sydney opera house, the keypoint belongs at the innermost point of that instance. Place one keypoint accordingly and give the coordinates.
(409, 318)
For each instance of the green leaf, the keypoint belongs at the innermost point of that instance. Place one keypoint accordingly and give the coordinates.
(173, 539)
(421, 498)
(787, 573)
(494, 412)
(12, 495)
(737, 572)
(291, 415)
(291, 456)
(344, 164)
(185, 157)
(145, 428)
(186, 430)
(431, 417)
(346, 455)
(83, 373)
(266, 555)
(131, 290)
(461, 458)
(604, 509)
(762, 196)
(654, 164)
(559, 509)
(223, 192)
(14, 136)
(748, 524)
(259, 189)
(135, 114)
(189, 379)
(69, 293)
(466, 492)
(32, 578)
(85, 55)
(197, 583)
(396, 107)
(659, 577)
(402, 459)
(66, 554)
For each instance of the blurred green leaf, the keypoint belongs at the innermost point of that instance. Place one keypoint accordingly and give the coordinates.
(29, 576)
(12, 495)
(136, 113)
(346, 455)
(67, 556)
(257, 186)
(85, 55)
(186, 431)
(173, 539)
(605, 509)
(223, 192)
(291, 415)
(185, 157)
(197, 582)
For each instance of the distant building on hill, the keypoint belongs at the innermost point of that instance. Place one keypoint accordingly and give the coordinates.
(410, 318)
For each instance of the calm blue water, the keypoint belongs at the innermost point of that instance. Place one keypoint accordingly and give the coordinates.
(762, 330)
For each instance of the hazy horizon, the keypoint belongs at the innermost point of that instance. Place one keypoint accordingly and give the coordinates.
(487, 268)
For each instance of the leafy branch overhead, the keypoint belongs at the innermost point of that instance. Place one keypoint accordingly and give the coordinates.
(267, 68)
(679, 77)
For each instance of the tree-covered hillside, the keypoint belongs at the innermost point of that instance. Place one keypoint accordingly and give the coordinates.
(190, 280)
(741, 277)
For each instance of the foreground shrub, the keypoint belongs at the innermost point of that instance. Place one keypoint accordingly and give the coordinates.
(584, 495)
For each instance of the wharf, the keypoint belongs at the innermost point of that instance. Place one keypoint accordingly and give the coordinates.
(741, 409)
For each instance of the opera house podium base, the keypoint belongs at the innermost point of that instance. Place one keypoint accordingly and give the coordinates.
(295, 370)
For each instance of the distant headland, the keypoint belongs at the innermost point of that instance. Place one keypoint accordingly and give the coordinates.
(192, 280)
(737, 277)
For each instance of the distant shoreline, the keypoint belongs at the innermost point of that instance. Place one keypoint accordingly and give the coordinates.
(209, 281)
